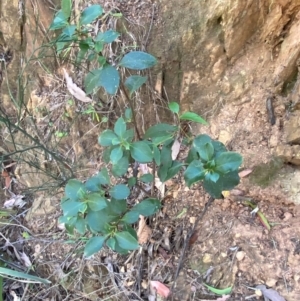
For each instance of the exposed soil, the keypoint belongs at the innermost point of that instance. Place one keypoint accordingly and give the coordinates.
(230, 246)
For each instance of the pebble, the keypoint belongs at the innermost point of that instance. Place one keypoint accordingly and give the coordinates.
(240, 255)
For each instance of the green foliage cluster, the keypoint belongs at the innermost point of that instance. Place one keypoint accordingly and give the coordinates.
(91, 49)
(100, 207)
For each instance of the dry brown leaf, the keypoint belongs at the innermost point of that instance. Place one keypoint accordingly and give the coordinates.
(244, 173)
(144, 231)
(7, 179)
(175, 149)
(75, 90)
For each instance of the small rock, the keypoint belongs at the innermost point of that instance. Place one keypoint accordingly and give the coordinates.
(192, 219)
(292, 129)
(287, 216)
(207, 258)
(258, 293)
(271, 282)
(240, 255)
(224, 136)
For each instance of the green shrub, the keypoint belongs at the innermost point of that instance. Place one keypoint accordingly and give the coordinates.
(100, 207)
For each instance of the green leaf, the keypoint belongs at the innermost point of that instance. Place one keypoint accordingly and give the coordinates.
(120, 127)
(96, 220)
(104, 176)
(200, 141)
(221, 292)
(4, 272)
(119, 192)
(161, 129)
(72, 208)
(194, 173)
(166, 155)
(94, 245)
(146, 178)
(80, 225)
(106, 138)
(212, 176)
(219, 148)
(192, 117)
(128, 114)
(117, 207)
(96, 201)
(173, 170)
(121, 167)
(116, 154)
(225, 182)
(93, 184)
(206, 152)
(131, 182)
(138, 60)
(107, 37)
(228, 161)
(130, 217)
(90, 14)
(101, 60)
(60, 21)
(192, 155)
(66, 6)
(99, 47)
(75, 189)
(69, 31)
(126, 240)
(174, 107)
(147, 207)
(109, 79)
(128, 135)
(141, 152)
(91, 81)
(156, 155)
(134, 82)
(113, 244)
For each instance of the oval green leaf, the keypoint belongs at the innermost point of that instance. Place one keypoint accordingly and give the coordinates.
(91, 81)
(194, 173)
(120, 127)
(206, 151)
(96, 201)
(72, 208)
(75, 189)
(191, 116)
(90, 14)
(229, 161)
(66, 6)
(119, 192)
(126, 241)
(138, 60)
(60, 21)
(109, 79)
(174, 107)
(107, 37)
(134, 82)
(106, 138)
(116, 154)
(147, 207)
(121, 167)
(141, 152)
(146, 178)
(94, 245)
(130, 217)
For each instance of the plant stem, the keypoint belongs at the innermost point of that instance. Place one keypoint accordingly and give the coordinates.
(132, 110)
